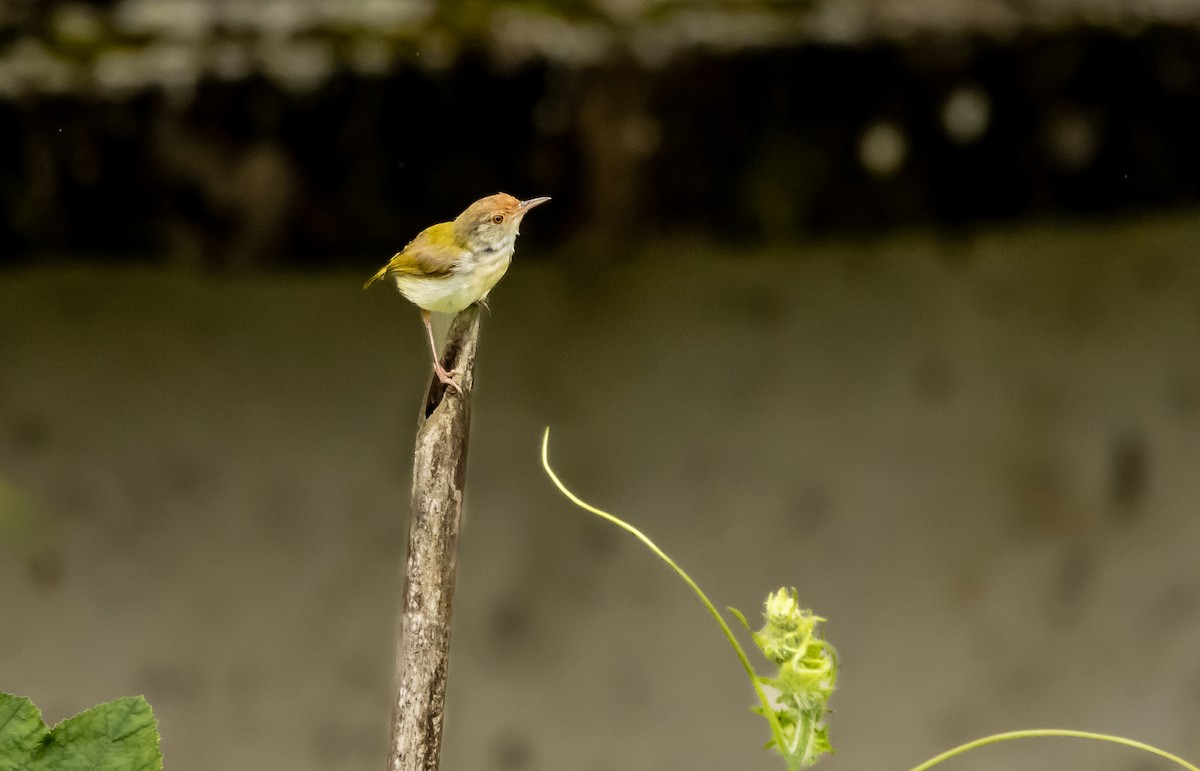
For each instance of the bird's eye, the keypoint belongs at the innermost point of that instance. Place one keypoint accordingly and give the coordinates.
(497, 218)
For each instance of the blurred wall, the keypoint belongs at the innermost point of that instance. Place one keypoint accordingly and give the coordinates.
(982, 471)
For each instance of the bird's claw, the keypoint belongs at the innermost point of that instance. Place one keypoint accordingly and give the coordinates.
(447, 378)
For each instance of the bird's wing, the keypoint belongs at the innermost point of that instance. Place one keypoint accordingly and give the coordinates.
(428, 255)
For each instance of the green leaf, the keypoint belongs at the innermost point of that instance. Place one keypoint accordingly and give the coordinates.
(738, 615)
(21, 730)
(119, 735)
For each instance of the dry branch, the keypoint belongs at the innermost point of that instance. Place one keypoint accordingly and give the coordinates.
(439, 476)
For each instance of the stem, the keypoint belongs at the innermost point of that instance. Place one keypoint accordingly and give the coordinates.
(768, 709)
(439, 476)
(1036, 732)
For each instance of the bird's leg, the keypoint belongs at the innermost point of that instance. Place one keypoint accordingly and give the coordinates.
(483, 301)
(438, 369)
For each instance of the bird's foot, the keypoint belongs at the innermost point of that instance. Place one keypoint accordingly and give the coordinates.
(447, 378)
(483, 301)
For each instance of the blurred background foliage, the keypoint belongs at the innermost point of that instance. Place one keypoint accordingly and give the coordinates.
(281, 132)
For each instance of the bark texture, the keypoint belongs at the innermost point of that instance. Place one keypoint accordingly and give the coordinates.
(439, 476)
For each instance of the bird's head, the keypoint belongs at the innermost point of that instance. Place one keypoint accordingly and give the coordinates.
(491, 224)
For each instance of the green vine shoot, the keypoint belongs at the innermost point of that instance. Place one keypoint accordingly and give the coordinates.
(795, 700)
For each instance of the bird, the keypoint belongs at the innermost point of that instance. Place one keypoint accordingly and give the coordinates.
(452, 265)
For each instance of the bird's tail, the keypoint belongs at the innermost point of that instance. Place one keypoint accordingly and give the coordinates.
(377, 277)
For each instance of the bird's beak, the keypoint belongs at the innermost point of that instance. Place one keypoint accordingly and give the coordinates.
(525, 206)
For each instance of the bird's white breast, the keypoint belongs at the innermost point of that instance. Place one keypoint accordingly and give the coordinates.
(469, 282)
